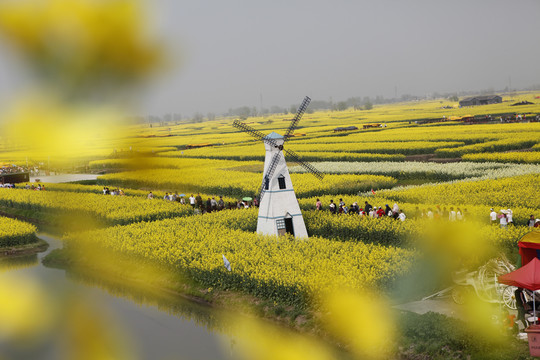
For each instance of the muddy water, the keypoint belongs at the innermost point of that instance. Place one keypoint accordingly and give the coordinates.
(155, 326)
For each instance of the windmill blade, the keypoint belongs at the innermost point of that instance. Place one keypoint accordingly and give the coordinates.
(255, 133)
(297, 117)
(246, 128)
(269, 173)
(294, 157)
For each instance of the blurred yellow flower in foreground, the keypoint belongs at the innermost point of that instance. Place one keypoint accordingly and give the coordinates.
(259, 340)
(362, 321)
(53, 129)
(82, 44)
(26, 312)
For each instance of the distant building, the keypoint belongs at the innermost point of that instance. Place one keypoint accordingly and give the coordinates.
(481, 100)
(348, 128)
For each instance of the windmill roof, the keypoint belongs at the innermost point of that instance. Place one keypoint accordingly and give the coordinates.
(273, 135)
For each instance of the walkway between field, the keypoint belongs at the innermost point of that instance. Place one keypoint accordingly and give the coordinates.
(62, 178)
(443, 306)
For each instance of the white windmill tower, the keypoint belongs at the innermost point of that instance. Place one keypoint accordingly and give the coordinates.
(279, 212)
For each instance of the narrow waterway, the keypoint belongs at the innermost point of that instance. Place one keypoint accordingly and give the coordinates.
(155, 326)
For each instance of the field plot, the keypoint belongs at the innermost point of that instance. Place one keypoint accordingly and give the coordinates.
(408, 156)
(92, 208)
(281, 269)
(13, 232)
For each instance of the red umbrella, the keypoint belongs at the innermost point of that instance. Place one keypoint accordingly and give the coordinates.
(527, 277)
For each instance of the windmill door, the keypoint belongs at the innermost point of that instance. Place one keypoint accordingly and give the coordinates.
(289, 225)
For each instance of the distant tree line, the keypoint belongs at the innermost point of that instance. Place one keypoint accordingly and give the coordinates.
(357, 103)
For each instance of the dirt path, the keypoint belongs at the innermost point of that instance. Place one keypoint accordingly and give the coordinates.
(62, 178)
(443, 306)
(431, 158)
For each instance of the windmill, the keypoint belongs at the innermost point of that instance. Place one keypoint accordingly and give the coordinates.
(279, 212)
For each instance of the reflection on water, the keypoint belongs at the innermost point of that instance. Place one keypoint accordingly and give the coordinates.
(85, 314)
(99, 317)
(171, 304)
(18, 262)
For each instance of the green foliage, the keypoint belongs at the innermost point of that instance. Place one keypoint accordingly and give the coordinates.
(436, 336)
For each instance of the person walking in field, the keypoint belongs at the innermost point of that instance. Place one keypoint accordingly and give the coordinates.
(452, 216)
(367, 208)
(445, 213)
(503, 220)
(192, 201)
(531, 221)
(493, 216)
(401, 215)
(509, 217)
(318, 205)
(221, 203)
(150, 195)
(332, 207)
(459, 215)
(198, 200)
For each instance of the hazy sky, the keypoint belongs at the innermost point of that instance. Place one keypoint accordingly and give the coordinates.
(228, 53)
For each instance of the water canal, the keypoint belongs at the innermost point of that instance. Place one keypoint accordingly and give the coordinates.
(155, 326)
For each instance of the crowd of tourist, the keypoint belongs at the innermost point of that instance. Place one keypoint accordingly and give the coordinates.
(367, 210)
(450, 214)
(505, 218)
(13, 169)
(117, 191)
(435, 213)
(39, 187)
(209, 205)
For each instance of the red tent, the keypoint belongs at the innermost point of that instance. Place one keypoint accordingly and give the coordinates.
(529, 246)
(527, 276)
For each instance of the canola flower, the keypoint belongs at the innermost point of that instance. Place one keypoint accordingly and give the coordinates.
(281, 268)
(426, 170)
(246, 153)
(524, 141)
(81, 207)
(413, 209)
(240, 183)
(97, 189)
(527, 157)
(389, 232)
(15, 232)
(511, 192)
